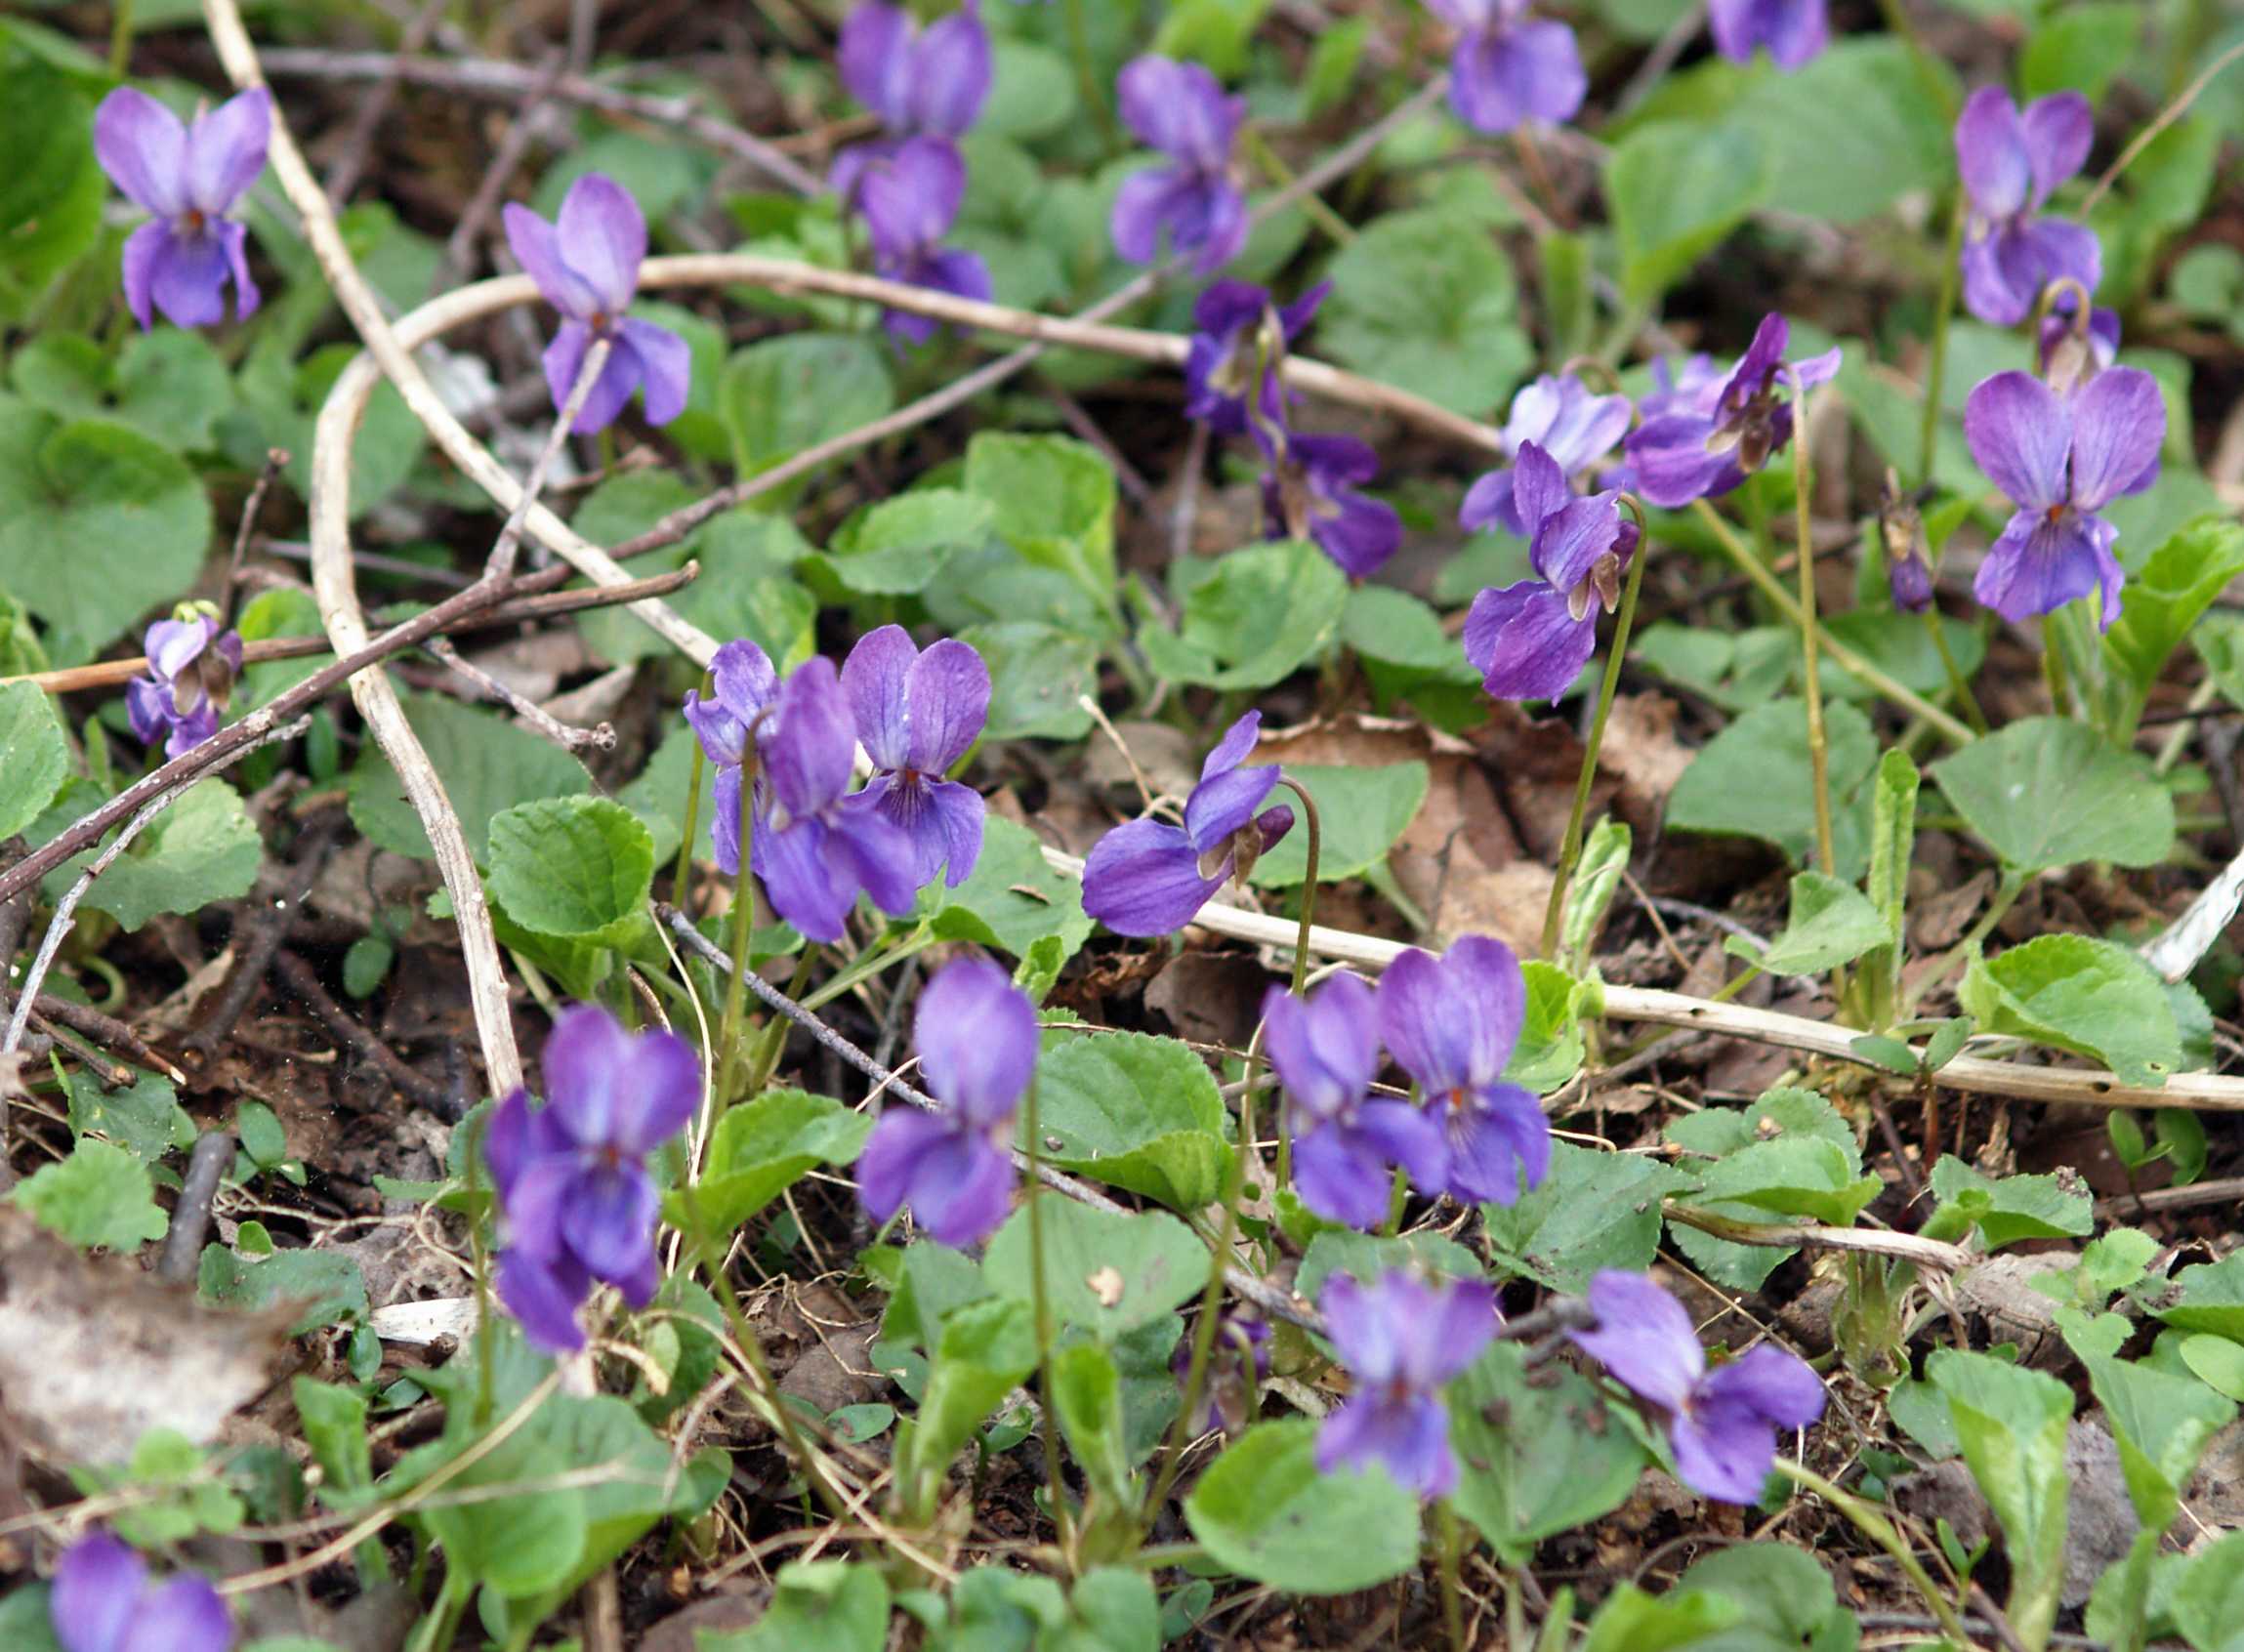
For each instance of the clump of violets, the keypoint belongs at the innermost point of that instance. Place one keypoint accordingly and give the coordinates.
(1402, 1338)
(1507, 67)
(922, 83)
(573, 1187)
(586, 262)
(191, 668)
(1704, 443)
(1149, 877)
(910, 200)
(1239, 342)
(102, 1602)
(189, 178)
(1529, 640)
(1560, 416)
(1452, 1022)
(1313, 491)
(1723, 1422)
(917, 714)
(2010, 163)
(975, 1033)
(1194, 202)
(1793, 31)
(2060, 460)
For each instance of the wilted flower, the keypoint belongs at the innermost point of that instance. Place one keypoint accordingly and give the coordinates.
(976, 1037)
(910, 199)
(2061, 460)
(572, 1176)
(1722, 1424)
(1401, 1339)
(743, 686)
(191, 668)
(2010, 164)
(189, 177)
(1704, 444)
(2068, 357)
(1505, 70)
(1149, 877)
(917, 714)
(1238, 331)
(1311, 492)
(1901, 531)
(586, 263)
(1529, 640)
(104, 1602)
(922, 83)
(1559, 415)
(1179, 110)
(1237, 1360)
(1793, 31)
(1452, 1022)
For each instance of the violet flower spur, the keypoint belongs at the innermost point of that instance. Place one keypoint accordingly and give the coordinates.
(1325, 1050)
(1311, 492)
(1707, 443)
(1401, 1339)
(104, 1602)
(1722, 1424)
(192, 668)
(1793, 31)
(1451, 1024)
(1181, 111)
(922, 83)
(1505, 70)
(1238, 332)
(189, 177)
(2009, 163)
(1559, 415)
(1149, 877)
(586, 263)
(572, 1176)
(2061, 460)
(975, 1033)
(917, 714)
(743, 685)
(910, 200)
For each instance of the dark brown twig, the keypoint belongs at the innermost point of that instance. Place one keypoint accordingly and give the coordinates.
(601, 736)
(359, 141)
(274, 459)
(106, 1031)
(207, 1165)
(460, 248)
(303, 981)
(260, 926)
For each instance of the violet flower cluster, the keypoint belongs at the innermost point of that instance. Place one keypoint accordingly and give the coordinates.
(1793, 31)
(1402, 1338)
(1560, 415)
(104, 1601)
(919, 82)
(191, 668)
(1240, 336)
(189, 178)
(910, 199)
(1507, 67)
(1194, 203)
(1708, 436)
(2010, 162)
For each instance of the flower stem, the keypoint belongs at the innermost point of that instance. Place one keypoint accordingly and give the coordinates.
(1087, 76)
(1337, 229)
(1452, 1552)
(120, 36)
(1880, 1531)
(682, 879)
(1936, 87)
(1313, 825)
(2052, 667)
(480, 1256)
(1944, 308)
(743, 928)
(1818, 747)
(1032, 1131)
(1957, 684)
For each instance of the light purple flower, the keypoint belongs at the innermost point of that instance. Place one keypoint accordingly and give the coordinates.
(586, 263)
(917, 714)
(1722, 1424)
(1326, 1053)
(743, 687)
(910, 200)
(1401, 1339)
(189, 177)
(1149, 877)
(1238, 327)
(2061, 460)
(1505, 70)
(1706, 442)
(1793, 31)
(976, 1037)
(1558, 414)
(2010, 164)
(572, 1176)
(1530, 641)
(2067, 360)
(1451, 1024)
(1179, 110)
(104, 1602)
(191, 668)
(1311, 491)
(922, 83)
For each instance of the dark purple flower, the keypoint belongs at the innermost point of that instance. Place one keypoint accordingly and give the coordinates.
(977, 1037)
(1505, 70)
(2066, 359)
(586, 263)
(1793, 31)
(1901, 531)
(1704, 443)
(1238, 1360)
(1239, 330)
(189, 177)
(1180, 110)
(572, 1176)
(1326, 1053)
(2061, 460)
(743, 686)
(1451, 1022)
(1149, 877)
(1558, 414)
(1311, 492)
(922, 83)
(1722, 1424)
(191, 668)
(910, 199)
(102, 1602)
(1530, 641)
(917, 714)
(2010, 164)
(1401, 1339)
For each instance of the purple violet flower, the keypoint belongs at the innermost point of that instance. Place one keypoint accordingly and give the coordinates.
(1722, 1424)
(1901, 531)
(2061, 460)
(586, 263)
(1238, 327)
(976, 1032)
(1326, 1053)
(743, 686)
(910, 199)
(1451, 1024)
(1179, 110)
(1505, 69)
(2066, 358)
(572, 1176)
(917, 714)
(191, 668)
(922, 83)
(189, 177)
(1530, 641)
(1704, 444)
(102, 1602)
(1149, 877)
(1401, 1339)
(1793, 31)
(2010, 164)
(1311, 492)
(1558, 414)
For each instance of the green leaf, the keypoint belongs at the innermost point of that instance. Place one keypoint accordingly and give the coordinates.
(763, 1146)
(1364, 1257)
(1053, 499)
(580, 868)
(326, 1285)
(2165, 600)
(51, 197)
(27, 1622)
(2010, 1424)
(1361, 810)
(1550, 1048)
(99, 1198)
(2217, 1362)
(2163, 1423)
(1831, 924)
(2046, 792)
(2091, 997)
(2211, 1299)
(1753, 780)
(1087, 1398)
(1416, 303)
(2080, 49)
(1250, 618)
(367, 965)
(896, 546)
(1786, 1597)
(783, 394)
(1675, 193)
(33, 755)
(1264, 1513)
(1103, 1270)
(282, 611)
(1013, 899)
(144, 1118)
(1135, 1112)
(1593, 1211)
(986, 1348)
(1038, 678)
(1794, 1175)
(822, 1606)
(487, 765)
(2208, 1602)
(170, 386)
(1632, 1620)
(201, 850)
(1395, 629)
(2005, 1211)
(1782, 1114)
(1537, 1457)
(1856, 129)
(334, 1422)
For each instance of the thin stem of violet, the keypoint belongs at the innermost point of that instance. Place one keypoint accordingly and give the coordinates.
(1818, 747)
